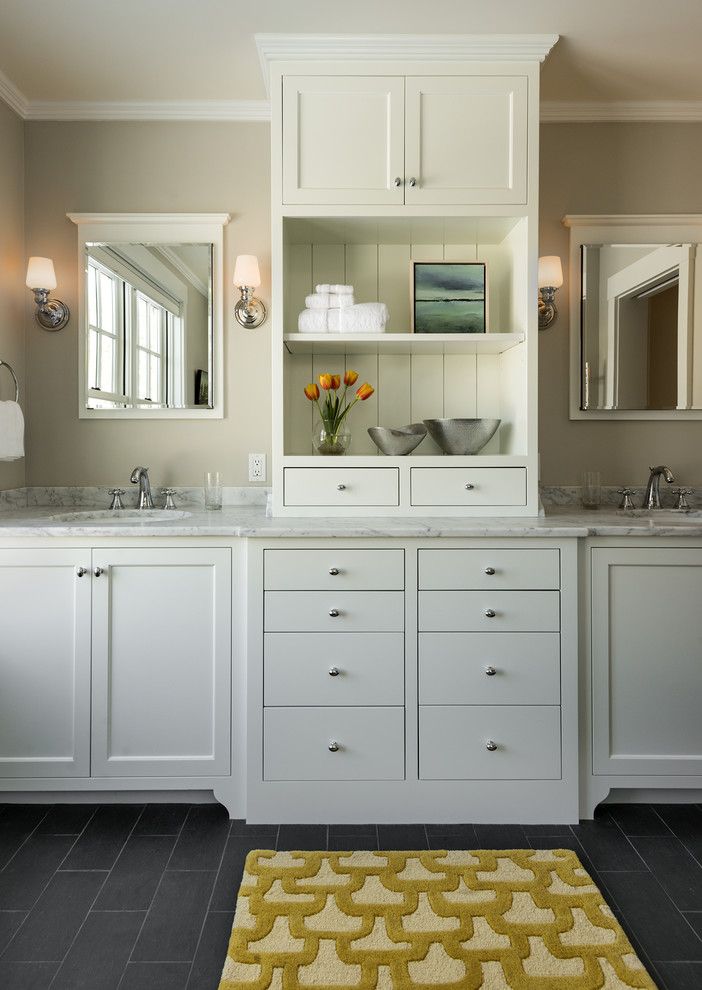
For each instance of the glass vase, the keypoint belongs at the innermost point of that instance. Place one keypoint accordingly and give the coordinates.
(331, 444)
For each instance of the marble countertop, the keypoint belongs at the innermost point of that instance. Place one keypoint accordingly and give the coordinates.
(251, 522)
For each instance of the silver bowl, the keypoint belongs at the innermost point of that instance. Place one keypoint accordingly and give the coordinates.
(462, 436)
(397, 442)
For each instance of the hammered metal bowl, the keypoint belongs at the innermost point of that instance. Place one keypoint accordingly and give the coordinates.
(462, 436)
(397, 442)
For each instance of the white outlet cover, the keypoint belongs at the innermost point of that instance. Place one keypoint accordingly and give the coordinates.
(257, 467)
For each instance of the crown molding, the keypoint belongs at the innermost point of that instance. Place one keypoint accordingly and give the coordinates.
(114, 218)
(636, 111)
(241, 111)
(631, 219)
(185, 270)
(395, 47)
(15, 99)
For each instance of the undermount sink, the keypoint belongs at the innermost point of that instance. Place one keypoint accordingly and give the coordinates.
(123, 516)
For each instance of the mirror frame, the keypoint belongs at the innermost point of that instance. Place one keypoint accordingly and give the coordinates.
(676, 228)
(155, 228)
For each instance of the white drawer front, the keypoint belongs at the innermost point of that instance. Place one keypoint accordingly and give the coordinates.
(488, 569)
(453, 742)
(489, 668)
(327, 611)
(370, 744)
(334, 570)
(468, 486)
(342, 486)
(486, 611)
(352, 669)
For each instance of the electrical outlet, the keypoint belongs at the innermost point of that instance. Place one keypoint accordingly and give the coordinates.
(257, 467)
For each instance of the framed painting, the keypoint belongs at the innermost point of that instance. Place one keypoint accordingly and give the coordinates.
(448, 296)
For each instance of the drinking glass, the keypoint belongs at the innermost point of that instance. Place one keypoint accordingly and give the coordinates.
(591, 496)
(213, 490)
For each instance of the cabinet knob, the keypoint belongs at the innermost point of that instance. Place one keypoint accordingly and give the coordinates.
(468, 487)
(333, 571)
(397, 182)
(98, 571)
(490, 613)
(341, 487)
(334, 613)
(490, 571)
(490, 671)
(412, 182)
(491, 746)
(81, 571)
(333, 746)
(333, 671)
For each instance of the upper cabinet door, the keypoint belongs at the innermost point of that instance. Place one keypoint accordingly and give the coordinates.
(343, 140)
(466, 140)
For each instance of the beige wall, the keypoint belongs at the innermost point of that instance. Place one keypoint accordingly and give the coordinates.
(12, 269)
(610, 168)
(637, 168)
(147, 167)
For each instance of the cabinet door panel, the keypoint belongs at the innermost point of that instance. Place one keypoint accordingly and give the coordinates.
(44, 663)
(647, 661)
(161, 662)
(466, 139)
(342, 139)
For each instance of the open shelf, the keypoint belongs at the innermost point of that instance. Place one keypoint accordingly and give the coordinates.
(401, 343)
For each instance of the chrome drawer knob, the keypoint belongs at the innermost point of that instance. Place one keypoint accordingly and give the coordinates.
(490, 613)
(412, 182)
(341, 488)
(81, 571)
(490, 571)
(333, 746)
(468, 487)
(491, 746)
(98, 571)
(490, 671)
(334, 613)
(333, 571)
(333, 671)
(397, 182)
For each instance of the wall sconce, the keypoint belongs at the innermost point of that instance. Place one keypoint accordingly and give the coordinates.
(550, 279)
(51, 314)
(249, 311)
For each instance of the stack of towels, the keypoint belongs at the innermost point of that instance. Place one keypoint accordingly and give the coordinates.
(331, 309)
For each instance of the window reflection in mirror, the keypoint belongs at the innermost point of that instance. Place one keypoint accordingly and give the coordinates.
(149, 326)
(633, 328)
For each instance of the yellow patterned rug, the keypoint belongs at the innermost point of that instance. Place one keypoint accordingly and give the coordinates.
(513, 919)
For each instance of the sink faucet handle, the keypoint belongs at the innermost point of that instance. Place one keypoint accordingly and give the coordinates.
(626, 502)
(170, 501)
(116, 494)
(681, 494)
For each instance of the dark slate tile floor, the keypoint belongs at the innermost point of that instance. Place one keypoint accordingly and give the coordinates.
(131, 897)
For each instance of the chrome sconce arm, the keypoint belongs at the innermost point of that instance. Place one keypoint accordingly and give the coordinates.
(249, 311)
(550, 280)
(51, 314)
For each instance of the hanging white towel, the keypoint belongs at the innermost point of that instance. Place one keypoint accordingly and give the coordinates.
(328, 300)
(11, 431)
(361, 318)
(313, 320)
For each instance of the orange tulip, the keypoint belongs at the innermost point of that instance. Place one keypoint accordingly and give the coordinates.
(326, 382)
(335, 381)
(350, 378)
(312, 392)
(365, 391)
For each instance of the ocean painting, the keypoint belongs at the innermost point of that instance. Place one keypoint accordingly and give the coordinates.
(449, 297)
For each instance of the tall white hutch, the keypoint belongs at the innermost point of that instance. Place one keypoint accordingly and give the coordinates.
(387, 150)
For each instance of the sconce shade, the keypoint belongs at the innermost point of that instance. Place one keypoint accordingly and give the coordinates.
(246, 271)
(41, 274)
(550, 272)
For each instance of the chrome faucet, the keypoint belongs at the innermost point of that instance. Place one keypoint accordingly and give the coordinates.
(140, 476)
(652, 498)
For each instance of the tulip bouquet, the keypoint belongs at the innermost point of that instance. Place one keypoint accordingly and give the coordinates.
(332, 436)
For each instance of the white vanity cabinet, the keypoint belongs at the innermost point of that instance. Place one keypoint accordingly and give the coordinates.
(415, 140)
(645, 630)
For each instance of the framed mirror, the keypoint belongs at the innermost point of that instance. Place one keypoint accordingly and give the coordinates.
(151, 315)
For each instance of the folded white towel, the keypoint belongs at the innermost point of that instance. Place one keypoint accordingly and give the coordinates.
(11, 431)
(313, 321)
(361, 318)
(328, 300)
(338, 290)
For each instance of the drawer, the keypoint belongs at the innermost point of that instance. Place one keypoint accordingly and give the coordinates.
(488, 569)
(370, 743)
(489, 611)
(358, 669)
(327, 611)
(342, 486)
(468, 486)
(489, 668)
(453, 742)
(334, 570)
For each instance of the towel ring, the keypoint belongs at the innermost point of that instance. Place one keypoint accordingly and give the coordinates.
(14, 377)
